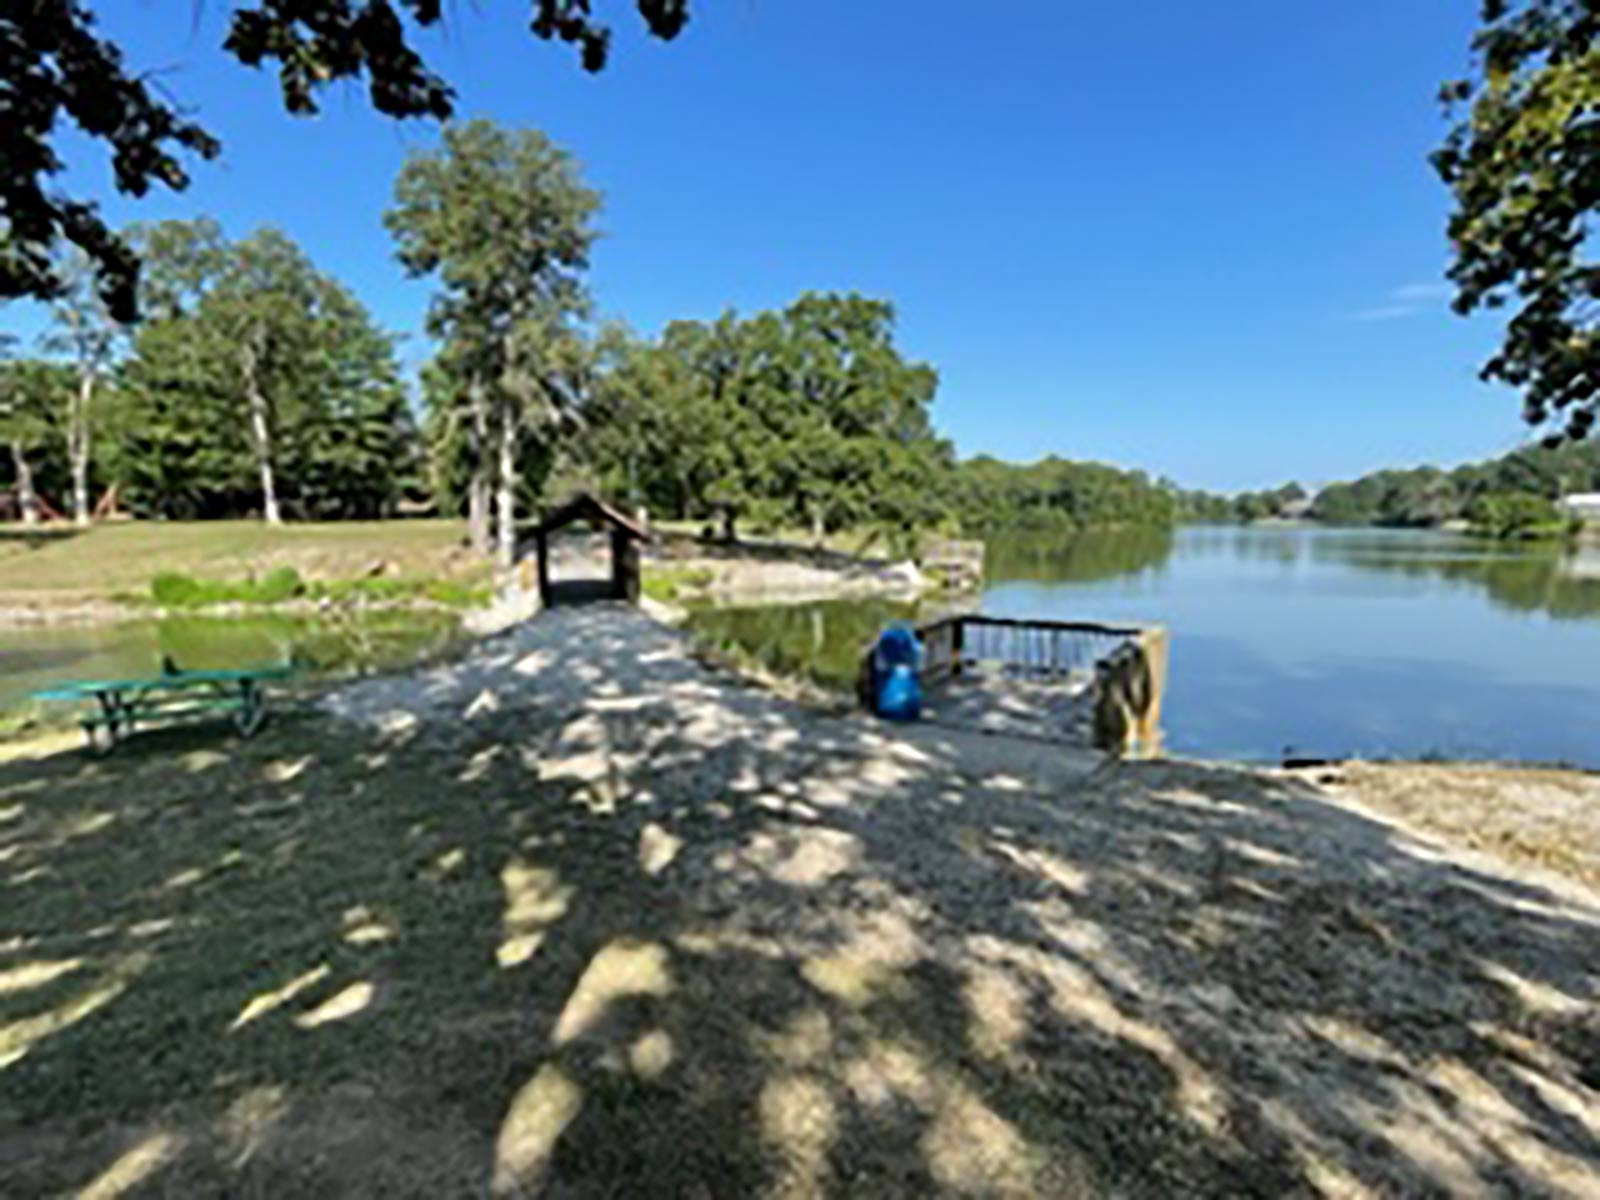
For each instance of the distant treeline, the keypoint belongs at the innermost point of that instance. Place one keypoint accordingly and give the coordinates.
(255, 384)
(1290, 500)
(258, 384)
(809, 419)
(1423, 496)
(1511, 496)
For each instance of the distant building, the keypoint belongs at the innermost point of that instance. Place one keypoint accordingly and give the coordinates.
(1583, 505)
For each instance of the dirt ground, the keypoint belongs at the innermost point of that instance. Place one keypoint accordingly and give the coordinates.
(598, 921)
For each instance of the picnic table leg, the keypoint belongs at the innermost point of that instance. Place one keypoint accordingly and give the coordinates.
(252, 708)
(109, 711)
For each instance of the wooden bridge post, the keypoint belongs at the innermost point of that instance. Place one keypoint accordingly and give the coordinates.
(1153, 648)
(1129, 683)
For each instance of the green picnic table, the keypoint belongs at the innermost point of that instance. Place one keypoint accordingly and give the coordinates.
(174, 695)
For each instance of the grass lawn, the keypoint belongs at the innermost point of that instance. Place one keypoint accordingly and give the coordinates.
(108, 559)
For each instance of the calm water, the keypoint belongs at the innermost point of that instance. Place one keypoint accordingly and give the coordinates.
(323, 645)
(1323, 642)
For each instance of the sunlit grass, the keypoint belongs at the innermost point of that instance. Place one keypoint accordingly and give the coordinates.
(123, 557)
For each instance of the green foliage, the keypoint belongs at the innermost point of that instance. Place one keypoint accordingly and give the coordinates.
(668, 584)
(1290, 501)
(31, 393)
(231, 317)
(174, 589)
(1515, 516)
(808, 418)
(279, 584)
(1200, 507)
(450, 593)
(1523, 165)
(1055, 495)
(503, 221)
(1426, 496)
(55, 72)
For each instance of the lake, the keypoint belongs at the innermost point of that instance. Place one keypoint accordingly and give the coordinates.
(323, 645)
(1320, 642)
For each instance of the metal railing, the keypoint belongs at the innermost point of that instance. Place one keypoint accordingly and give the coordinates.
(1128, 662)
(1030, 647)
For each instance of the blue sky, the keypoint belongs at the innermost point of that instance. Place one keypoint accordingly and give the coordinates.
(1199, 239)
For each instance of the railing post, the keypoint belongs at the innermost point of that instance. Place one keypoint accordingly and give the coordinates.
(1153, 648)
(958, 641)
(1129, 683)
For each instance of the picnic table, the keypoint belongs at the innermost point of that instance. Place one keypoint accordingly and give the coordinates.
(174, 695)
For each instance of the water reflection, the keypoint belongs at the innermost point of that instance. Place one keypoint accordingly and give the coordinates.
(1085, 557)
(821, 641)
(1560, 581)
(330, 643)
(1324, 641)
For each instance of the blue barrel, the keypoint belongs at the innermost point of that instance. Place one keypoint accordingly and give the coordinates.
(896, 686)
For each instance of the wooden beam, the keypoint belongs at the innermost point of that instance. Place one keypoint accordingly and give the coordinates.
(542, 547)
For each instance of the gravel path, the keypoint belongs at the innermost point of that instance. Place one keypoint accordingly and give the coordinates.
(612, 658)
(882, 961)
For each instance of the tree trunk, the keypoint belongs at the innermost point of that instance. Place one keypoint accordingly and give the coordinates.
(478, 483)
(27, 498)
(506, 498)
(261, 430)
(78, 447)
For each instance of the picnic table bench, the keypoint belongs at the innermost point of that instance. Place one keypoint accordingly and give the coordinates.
(174, 695)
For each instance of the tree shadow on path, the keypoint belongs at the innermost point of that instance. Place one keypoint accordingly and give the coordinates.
(659, 934)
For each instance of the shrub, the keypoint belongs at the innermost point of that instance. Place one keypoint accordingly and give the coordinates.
(174, 589)
(667, 584)
(281, 583)
(1515, 515)
(456, 593)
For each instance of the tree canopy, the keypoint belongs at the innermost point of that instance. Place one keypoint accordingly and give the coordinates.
(55, 68)
(1428, 495)
(504, 222)
(258, 381)
(1055, 495)
(807, 417)
(1523, 165)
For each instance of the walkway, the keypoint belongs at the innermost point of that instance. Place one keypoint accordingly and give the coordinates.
(579, 917)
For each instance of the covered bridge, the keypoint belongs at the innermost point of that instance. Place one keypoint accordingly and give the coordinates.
(625, 535)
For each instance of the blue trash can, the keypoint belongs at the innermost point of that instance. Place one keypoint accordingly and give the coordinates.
(896, 685)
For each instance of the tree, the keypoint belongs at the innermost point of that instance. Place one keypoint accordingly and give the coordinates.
(1523, 165)
(54, 69)
(502, 219)
(1514, 515)
(258, 379)
(88, 335)
(807, 416)
(30, 394)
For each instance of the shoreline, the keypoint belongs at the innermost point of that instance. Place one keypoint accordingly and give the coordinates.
(742, 573)
(581, 850)
(785, 686)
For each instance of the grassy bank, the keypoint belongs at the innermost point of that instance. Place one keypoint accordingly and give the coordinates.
(62, 564)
